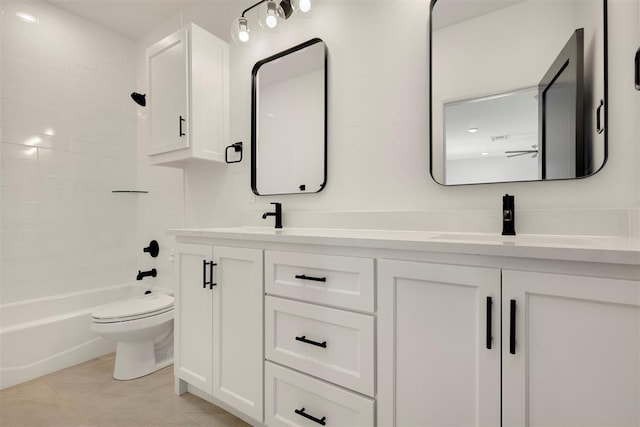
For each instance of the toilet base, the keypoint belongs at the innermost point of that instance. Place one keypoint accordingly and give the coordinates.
(137, 359)
(134, 360)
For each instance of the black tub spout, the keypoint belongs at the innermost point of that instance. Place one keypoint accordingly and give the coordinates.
(142, 274)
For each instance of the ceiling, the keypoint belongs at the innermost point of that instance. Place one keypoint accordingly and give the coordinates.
(130, 18)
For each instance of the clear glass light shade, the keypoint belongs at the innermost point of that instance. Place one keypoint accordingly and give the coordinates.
(304, 7)
(240, 31)
(271, 16)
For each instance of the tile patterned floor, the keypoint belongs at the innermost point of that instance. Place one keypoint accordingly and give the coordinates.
(87, 395)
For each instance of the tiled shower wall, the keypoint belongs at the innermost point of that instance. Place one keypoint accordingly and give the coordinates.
(68, 139)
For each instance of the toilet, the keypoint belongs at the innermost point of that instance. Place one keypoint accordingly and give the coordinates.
(142, 327)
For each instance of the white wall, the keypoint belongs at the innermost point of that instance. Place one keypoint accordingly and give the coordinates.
(67, 140)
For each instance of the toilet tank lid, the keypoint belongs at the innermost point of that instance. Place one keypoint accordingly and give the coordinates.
(134, 306)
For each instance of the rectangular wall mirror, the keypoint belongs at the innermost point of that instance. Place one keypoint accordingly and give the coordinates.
(288, 121)
(517, 90)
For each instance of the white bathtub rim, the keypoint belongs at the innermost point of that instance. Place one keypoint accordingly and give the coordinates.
(8, 322)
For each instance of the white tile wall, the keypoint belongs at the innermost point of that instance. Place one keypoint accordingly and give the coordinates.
(68, 138)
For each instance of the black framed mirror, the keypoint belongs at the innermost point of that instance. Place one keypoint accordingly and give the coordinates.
(289, 121)
(518, 90)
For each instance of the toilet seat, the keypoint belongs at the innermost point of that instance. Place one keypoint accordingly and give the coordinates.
(134, 308)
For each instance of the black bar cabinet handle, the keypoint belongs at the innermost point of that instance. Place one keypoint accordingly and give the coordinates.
(211, 284)
(489, 308)
(599, 125)
(204, 274)
(321, 421)
(512, 327)
(304, 339)
(180, 126)
(315, 279)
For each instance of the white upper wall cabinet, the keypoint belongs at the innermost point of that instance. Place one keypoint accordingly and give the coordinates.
(188, 97)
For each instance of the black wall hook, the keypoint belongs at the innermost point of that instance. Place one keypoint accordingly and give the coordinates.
(153, 248)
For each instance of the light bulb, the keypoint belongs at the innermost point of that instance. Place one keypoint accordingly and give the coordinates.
(271, 16)
(304, 6)
(240, 31)
(271, 21)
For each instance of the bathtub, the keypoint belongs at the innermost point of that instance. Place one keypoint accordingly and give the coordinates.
(43, 335)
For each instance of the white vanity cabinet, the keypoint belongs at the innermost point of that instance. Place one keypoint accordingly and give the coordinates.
(219, 325)
(188, 97)
(315, 343)
(566, 352)
(373, 328)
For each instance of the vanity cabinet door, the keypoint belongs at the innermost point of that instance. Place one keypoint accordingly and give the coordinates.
(575, 359)
(436, 365)
(237, 329)
(193, 321)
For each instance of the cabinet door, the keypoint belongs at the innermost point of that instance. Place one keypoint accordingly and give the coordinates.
(577, 351)
(434, 364)
(237, 329)
(167, 97)
(193, 320)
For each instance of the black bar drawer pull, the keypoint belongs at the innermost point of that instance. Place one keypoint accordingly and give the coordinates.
(512, 327)
(304, 339)
(321, 421)
(315, 279)
(204, 274)
(180, 126)
(489, 307)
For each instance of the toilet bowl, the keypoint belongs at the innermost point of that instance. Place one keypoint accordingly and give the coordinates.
(142, 327)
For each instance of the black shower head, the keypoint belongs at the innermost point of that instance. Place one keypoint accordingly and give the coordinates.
(139, 98)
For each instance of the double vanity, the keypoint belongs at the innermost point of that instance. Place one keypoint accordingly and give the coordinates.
(371, 327)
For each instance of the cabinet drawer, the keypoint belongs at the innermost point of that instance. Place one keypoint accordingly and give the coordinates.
(324, 279)
(331, 344)
(288, 392)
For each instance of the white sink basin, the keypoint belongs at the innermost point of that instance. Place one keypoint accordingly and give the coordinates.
(523, 239)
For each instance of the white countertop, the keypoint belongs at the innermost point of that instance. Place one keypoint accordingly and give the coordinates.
(614, 250)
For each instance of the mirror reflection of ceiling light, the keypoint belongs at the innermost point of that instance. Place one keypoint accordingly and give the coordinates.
(472, 130)
(27, 17)
(485, 154)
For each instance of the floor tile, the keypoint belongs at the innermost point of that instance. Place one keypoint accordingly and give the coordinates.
(87, 395)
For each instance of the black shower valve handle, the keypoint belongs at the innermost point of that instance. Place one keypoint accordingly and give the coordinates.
(153, 248)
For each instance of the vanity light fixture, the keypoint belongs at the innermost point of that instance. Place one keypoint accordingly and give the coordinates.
(271, 16)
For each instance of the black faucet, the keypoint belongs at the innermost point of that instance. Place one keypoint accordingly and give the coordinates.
(142, 274)
(277, 214)
(508, 215)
